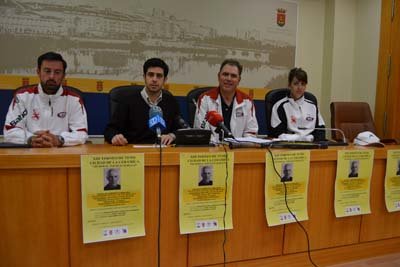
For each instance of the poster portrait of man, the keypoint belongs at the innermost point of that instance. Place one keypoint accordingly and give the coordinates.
(112, 179)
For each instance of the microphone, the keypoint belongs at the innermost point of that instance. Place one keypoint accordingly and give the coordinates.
(344, 139)
(181, 122)
(233, 145)
(156, 121)
(216, 120)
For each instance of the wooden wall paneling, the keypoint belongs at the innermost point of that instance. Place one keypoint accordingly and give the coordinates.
(393, 105)
(387, 92)
(251, 237)
(325, 257)
(34, 218)
(382, 78)
(324, 229)
(136, 251)
(380, 223)
(174, 246)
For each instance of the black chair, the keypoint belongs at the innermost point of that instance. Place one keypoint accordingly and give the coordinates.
(274, 96)
(122, 95)
(191, 101)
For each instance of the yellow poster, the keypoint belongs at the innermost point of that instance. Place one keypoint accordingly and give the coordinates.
(293, 168)
(352, 185)
(392, 181)
(112, 196)
(205, 192)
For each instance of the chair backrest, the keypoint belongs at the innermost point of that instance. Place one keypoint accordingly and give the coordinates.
(191, 100)
(274, 96)
(122, 95)
(352, 118)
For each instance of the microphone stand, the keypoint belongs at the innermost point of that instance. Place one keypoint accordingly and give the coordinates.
(158, 131)
(344, 139)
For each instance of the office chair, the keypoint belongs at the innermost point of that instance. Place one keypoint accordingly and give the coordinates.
(191, 101)
(122, 95)
(274, 96)
(352, 118)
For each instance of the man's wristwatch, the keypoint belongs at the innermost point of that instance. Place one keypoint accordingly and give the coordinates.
(29, 141)
(60, 140)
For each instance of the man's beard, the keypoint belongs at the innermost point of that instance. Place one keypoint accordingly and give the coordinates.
(50, 87)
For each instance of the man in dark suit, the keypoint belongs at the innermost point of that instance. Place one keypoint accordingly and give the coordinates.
(129, 122)
(287, 172)
(398, 168)
(206, 176)
(113, 180)
(353, 169)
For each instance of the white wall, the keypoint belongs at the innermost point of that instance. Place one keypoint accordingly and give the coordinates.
(310, 42)
(365, 69)
(343, 50)
(338, 45)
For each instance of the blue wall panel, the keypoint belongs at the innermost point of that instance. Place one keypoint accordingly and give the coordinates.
(98, 110)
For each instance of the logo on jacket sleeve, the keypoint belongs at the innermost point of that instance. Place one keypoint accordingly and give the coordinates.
(239, 112)
(309, 118)
(35, 115)
(61, 114)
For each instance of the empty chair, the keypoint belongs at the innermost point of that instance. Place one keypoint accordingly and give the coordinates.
(191, 100)
(352, 118)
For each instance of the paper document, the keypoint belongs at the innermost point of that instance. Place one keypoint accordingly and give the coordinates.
(249, 139)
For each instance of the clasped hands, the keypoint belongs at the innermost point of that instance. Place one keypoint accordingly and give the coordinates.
(44, 139)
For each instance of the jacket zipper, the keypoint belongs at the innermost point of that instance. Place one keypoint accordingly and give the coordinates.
(51, 107)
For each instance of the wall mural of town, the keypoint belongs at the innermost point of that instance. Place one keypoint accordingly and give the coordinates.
(110, 40)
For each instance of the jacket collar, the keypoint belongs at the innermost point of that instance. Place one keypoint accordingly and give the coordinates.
(239, 95)
(46, 96)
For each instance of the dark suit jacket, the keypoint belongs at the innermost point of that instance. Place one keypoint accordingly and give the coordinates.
(351, 175)
(112, 187)
(286, 179)
(203, 182)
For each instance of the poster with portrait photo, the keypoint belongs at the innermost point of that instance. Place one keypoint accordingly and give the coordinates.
(112, 179)
(206, 173)
(205, 179)
(112, 196)
(392, 180)
(352, 184)
(287, 172)
(289, 164)
(353, 168)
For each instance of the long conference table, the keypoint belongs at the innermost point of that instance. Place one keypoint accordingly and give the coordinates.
(41, 217)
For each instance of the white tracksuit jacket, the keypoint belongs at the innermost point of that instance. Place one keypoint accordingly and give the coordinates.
(32, 110)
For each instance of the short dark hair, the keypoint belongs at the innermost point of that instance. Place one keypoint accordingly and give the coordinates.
(156, 62)
(232, 62)
(299, 73)
(51, 56)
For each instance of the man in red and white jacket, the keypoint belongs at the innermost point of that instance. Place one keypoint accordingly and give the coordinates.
(236, 107)
(47, 115)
